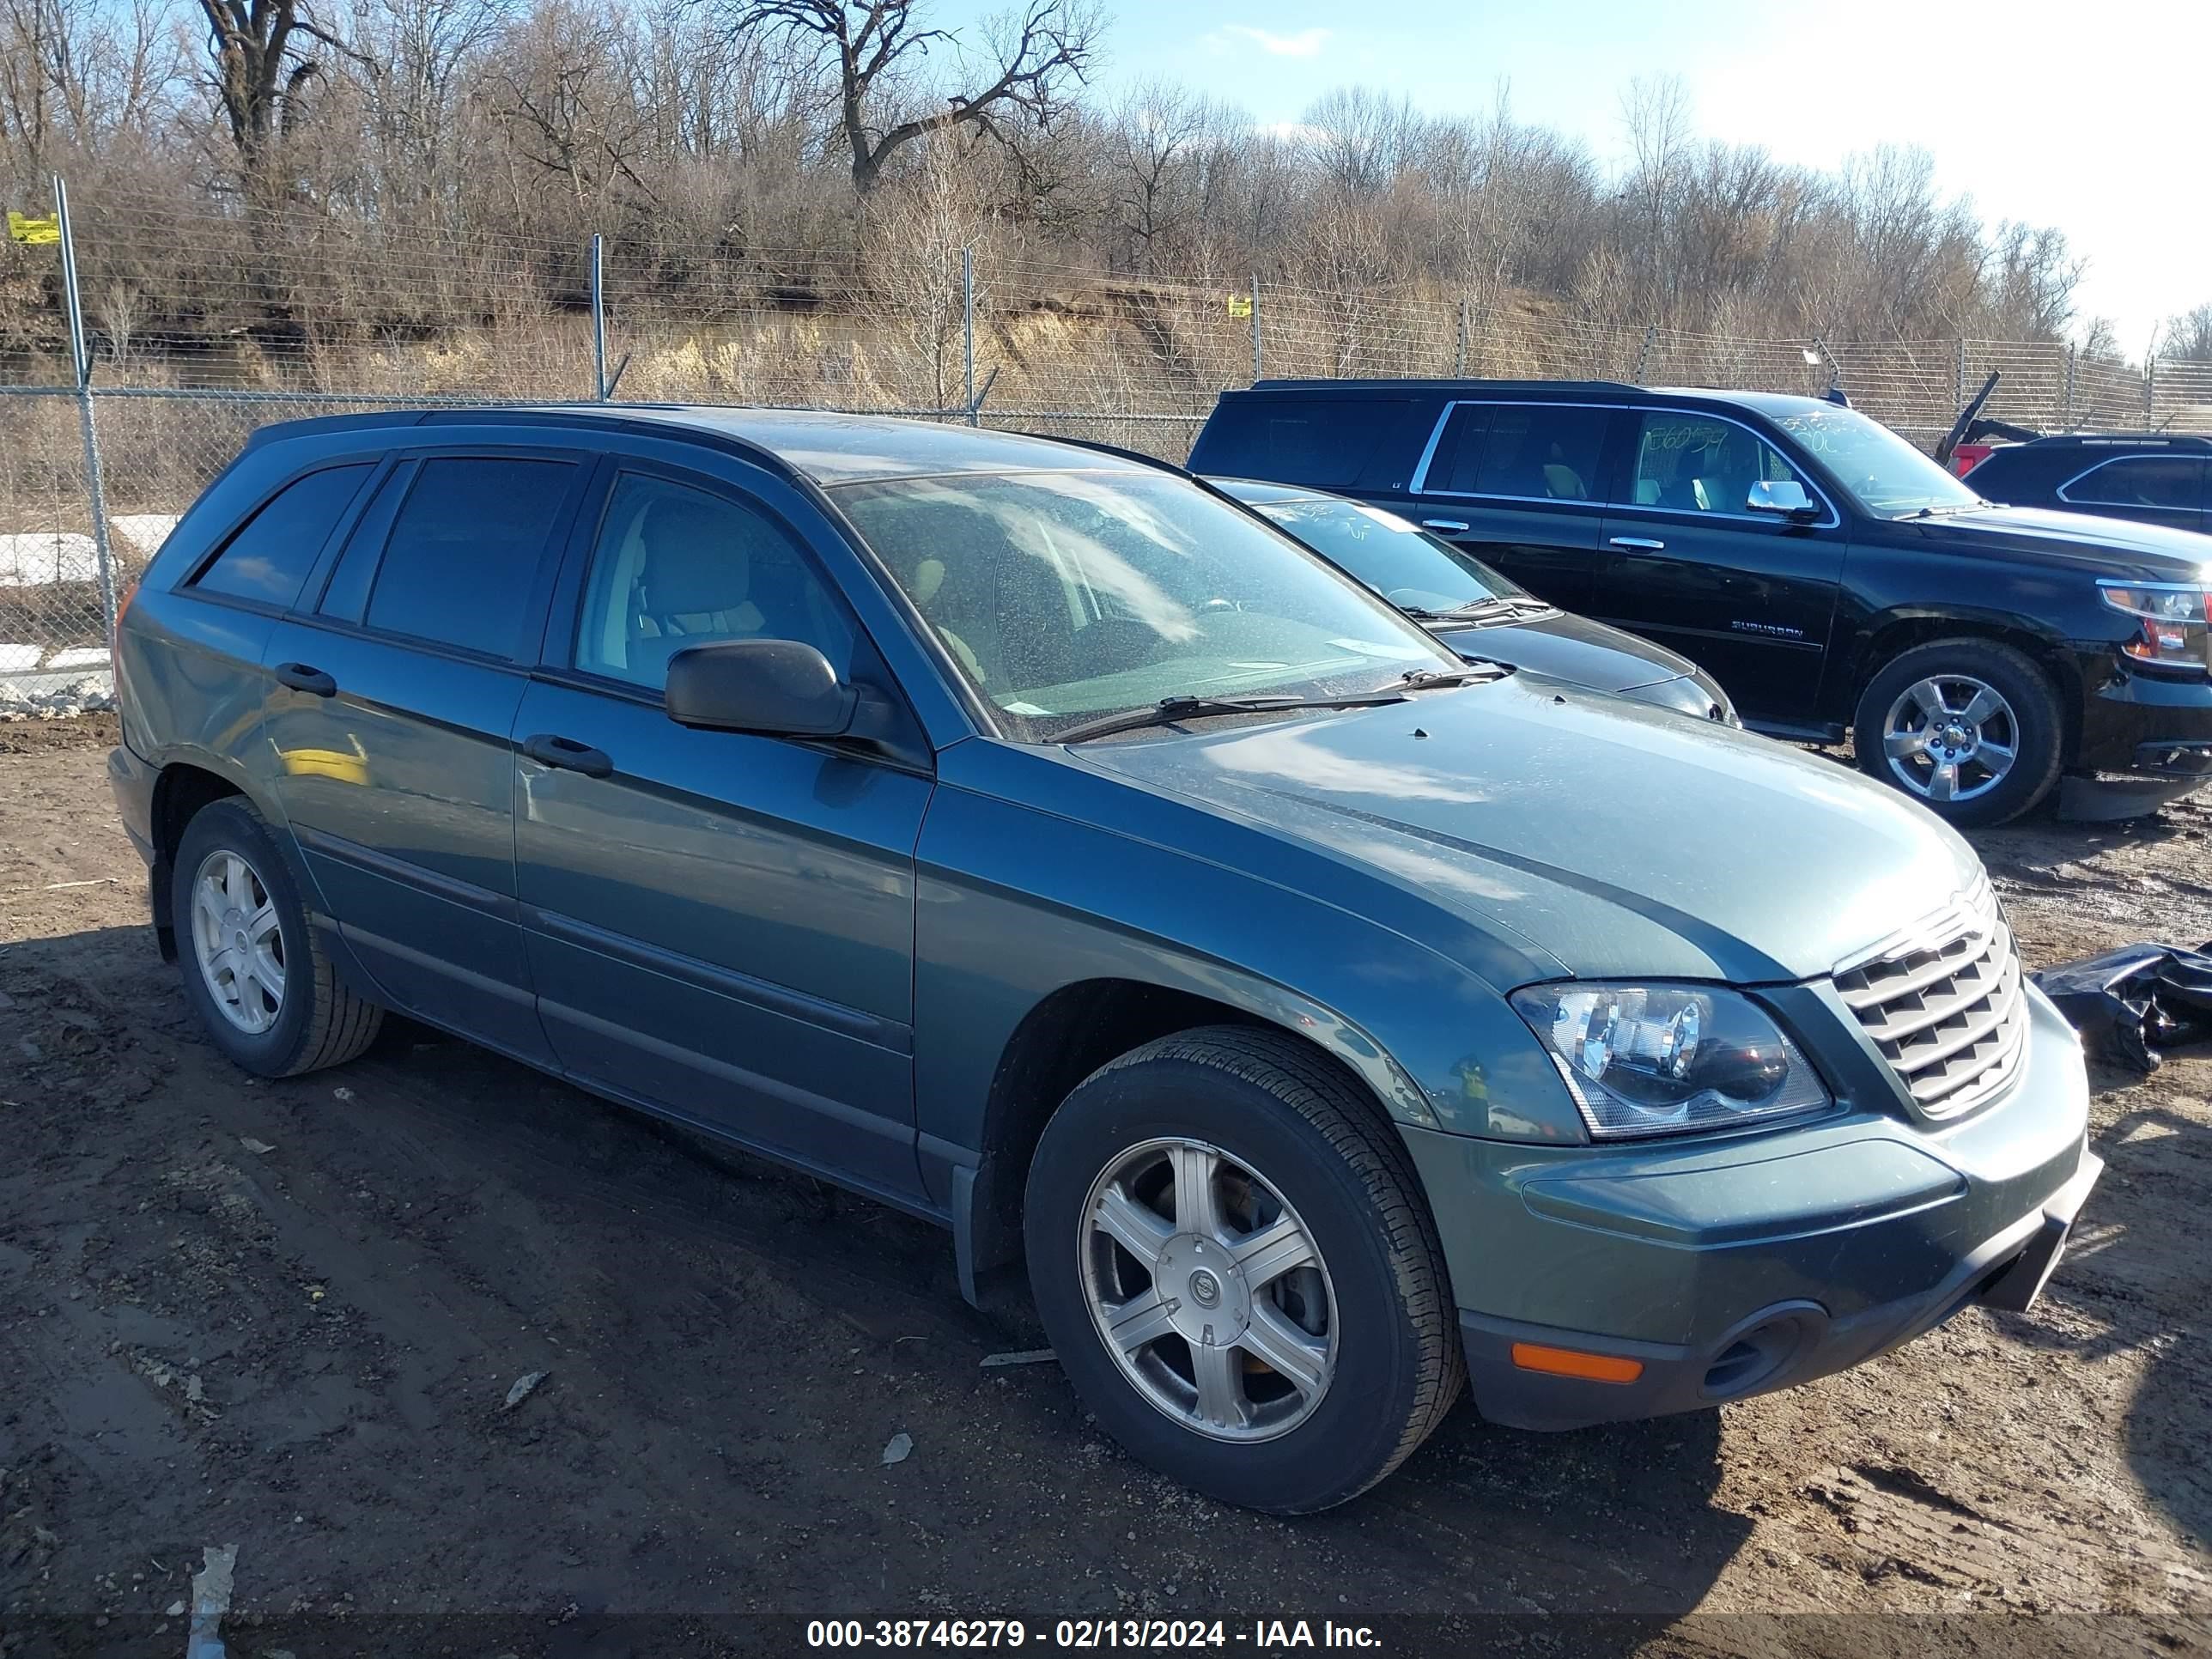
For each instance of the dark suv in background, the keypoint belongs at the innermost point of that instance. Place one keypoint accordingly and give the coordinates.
(1836, 580)
(2151, 477)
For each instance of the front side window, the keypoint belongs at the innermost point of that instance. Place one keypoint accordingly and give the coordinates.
(1885, 475)
(2173, 482)
(675, 566)
(1063, 596)
(461, 560)
(1400, 561)
(1529, 452)
(269, 560)
(1691, 463)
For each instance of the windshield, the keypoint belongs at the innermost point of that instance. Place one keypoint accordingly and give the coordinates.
(1885, 474)
(1063, 596)
(1402, 562)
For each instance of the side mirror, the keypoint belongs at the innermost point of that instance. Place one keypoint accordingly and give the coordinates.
(778, 688)
(1786, 497)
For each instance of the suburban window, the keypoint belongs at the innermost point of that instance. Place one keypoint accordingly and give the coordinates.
(463, 552)
(1696, 463)
(269, 558)
(677, 566)
(2169, 481)
(1536, 451)
(1323, 442)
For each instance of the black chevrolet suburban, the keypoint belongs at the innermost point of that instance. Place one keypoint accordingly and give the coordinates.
(1836, 582)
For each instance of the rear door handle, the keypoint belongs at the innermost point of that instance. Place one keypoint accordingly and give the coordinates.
(301, 678)
(1449, 526)
(567, 755)
(1639, 543)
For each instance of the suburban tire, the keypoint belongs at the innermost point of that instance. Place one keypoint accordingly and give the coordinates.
(1970, 728)
(1231, 1183)
(253, 969)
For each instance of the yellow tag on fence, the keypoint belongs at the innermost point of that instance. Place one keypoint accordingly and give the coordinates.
(33, 232)
(1240, 305)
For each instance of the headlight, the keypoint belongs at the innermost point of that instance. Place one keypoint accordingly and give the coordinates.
(1665, 1059)
(2172, 631)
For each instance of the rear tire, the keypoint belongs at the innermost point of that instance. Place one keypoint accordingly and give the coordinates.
(253, 969)
(1224, 1153)
(1970, 728)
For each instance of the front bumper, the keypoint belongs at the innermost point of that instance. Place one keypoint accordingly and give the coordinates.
(2145, 741)
(1743, 1267)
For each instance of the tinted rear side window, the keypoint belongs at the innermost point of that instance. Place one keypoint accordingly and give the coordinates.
(462, 557)
(1531, 451)
(2167, 481)
(1322, 441)
(269, 558)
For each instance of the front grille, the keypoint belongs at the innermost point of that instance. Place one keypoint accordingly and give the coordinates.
(1943, 1003)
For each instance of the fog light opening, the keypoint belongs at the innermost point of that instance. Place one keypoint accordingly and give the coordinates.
(1754, 1358)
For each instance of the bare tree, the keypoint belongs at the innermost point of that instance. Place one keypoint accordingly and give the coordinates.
(874, 48)
(75, 74)
(1158, 132)
(2188, 337)
(262, 62)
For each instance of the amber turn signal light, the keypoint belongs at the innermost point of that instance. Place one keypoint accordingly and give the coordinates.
(1568, 1362)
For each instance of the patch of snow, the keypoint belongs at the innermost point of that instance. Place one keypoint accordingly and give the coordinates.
(144, 532)
(43, 558)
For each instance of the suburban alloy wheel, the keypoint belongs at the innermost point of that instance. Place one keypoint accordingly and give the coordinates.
(267, 993)
(1208, 1290)
(1950, 739)
(1229, 1250)
(1971, 728)
(236, 941)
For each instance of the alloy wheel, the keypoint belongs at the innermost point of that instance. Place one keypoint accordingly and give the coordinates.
(237, 941)
(1950, 738)
(1208, 1290)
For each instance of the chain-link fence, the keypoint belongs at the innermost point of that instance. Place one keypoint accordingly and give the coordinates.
(141, 350)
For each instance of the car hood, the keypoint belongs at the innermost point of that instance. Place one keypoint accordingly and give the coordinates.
(2107, 546)
(1568, 647)
(1599, 838)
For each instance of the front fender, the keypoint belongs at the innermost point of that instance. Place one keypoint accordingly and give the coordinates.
(1015, 902)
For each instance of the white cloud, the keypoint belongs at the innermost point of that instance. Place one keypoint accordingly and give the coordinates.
(1306, 43)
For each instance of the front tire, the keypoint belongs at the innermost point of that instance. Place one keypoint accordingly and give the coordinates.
(1230, 1252)
(253, 971)
(1970, 728)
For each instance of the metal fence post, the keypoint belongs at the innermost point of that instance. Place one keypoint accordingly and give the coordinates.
(967, 327)
(2150, 393)
(2066, 411)
(1644, 352)
(1255, 328)
(598, 318)
(80, 354)
(1465, 326)
(1958, 377)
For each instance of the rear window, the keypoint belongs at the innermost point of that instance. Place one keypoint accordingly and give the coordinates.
(1533, 452)
(463, 552)
(269, 559)
(1322, 441)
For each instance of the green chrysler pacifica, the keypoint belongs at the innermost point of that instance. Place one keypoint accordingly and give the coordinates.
(1043, 843)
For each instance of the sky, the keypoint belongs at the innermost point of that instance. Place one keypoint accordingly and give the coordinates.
(2090, 116)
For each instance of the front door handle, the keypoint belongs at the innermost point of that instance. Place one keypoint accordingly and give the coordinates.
(1639, 543)
(301, 678)
(1449, 526)
(567, 755)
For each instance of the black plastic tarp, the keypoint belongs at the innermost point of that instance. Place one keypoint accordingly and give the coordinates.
(2130, 1003)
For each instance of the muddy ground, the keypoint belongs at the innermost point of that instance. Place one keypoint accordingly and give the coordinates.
(286, 1317)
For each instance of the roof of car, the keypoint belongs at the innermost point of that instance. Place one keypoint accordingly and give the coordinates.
(2116, 440)
(1772, 404)
(828, 448)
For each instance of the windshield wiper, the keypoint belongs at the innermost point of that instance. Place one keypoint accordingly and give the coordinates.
(1943, 511)
(1168, 710)
(1507, 602)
